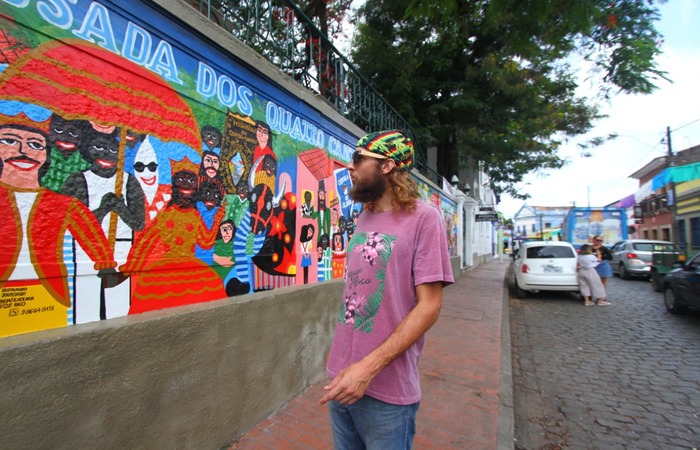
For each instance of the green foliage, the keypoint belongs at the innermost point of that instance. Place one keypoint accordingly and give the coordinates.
(488, 80)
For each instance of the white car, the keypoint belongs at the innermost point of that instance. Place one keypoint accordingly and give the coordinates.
(545, 266)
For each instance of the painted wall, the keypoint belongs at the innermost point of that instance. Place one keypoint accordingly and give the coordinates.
(145, 168)
(181, 175)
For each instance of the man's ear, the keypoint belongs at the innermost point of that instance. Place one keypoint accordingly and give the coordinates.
(388, 165)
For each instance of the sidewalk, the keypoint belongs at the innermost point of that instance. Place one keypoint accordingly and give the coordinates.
(465, 378)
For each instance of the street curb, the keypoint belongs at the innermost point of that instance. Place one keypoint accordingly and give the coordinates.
(506, 416)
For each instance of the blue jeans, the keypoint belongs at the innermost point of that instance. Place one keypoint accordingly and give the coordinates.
(372, 424)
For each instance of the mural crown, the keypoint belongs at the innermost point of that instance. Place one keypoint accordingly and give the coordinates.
(184, 164)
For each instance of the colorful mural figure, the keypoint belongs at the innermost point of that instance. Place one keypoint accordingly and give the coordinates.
(210, 195)
(325, 268)
(33, 279)
(223, 250)
(145, 169)
(65, 138)
(162, 264)
(321, 214)
(209, 169)
(276, 261)
(211, 139)
(306, 237)
(307, 208)
(263, 134)
(95, 187)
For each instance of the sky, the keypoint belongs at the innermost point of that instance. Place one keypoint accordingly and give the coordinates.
(640, 121)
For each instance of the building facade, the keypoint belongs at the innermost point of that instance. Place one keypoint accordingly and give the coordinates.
(538, 221)
(667, 204)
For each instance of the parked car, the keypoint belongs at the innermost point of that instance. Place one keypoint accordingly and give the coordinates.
(519, 242)
(545, 266)
(632, 257)
(682, 287)
(662, 262)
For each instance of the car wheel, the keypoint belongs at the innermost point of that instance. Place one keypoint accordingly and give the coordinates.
(656, 282)
(519, 292)
(671, 301)
(623, 272)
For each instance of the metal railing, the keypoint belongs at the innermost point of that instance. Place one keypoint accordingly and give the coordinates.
(291, 40)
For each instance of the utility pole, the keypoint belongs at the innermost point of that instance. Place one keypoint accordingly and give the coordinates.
(674, 210)
(588, 192)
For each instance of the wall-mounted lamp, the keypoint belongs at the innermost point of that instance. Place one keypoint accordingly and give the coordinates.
(455, 184)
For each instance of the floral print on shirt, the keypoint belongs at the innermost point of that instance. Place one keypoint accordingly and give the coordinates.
(367, 259)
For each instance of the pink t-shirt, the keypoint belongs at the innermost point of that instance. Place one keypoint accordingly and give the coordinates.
(388, 256)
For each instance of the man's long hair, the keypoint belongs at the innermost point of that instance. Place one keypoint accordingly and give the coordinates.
(404, 189)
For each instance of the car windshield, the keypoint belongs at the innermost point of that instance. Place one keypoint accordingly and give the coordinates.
(550, 251)
(654, 247)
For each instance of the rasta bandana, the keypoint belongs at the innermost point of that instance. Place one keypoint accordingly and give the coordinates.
(390, 144)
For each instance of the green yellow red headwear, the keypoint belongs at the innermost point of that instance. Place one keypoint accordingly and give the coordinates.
(391, 144)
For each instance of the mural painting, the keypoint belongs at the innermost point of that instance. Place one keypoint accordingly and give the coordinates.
(137, 174)
(143, 168)
(447, 208)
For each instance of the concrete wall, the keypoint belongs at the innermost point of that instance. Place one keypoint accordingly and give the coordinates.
(191, 377)
(198, 376)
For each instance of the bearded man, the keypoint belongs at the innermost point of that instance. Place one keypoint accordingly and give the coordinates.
(397, 265)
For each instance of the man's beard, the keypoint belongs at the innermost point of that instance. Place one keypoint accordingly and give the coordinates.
(368, 190)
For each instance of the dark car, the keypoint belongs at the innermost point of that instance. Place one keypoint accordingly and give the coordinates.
(682, 287)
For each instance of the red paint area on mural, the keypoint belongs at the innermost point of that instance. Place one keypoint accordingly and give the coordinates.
(84, 81)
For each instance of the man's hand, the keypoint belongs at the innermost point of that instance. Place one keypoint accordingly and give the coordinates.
(349, 385)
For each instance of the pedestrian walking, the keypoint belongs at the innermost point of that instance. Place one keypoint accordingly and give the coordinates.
(588, 279)
(397, 266)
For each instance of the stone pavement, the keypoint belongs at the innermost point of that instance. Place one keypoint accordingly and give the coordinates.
(465, 378)
(625, 376)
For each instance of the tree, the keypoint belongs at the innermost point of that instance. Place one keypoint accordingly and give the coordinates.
(294, 35)
(490, 81)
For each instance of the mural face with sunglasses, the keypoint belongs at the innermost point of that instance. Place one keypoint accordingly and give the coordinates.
(146, 166)
(151, 166)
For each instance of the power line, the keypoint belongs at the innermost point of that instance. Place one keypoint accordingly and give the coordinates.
(689, 123)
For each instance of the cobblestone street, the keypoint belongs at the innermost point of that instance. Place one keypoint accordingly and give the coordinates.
(625, 376)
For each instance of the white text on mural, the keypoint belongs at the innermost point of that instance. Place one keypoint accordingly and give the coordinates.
(139, 46)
